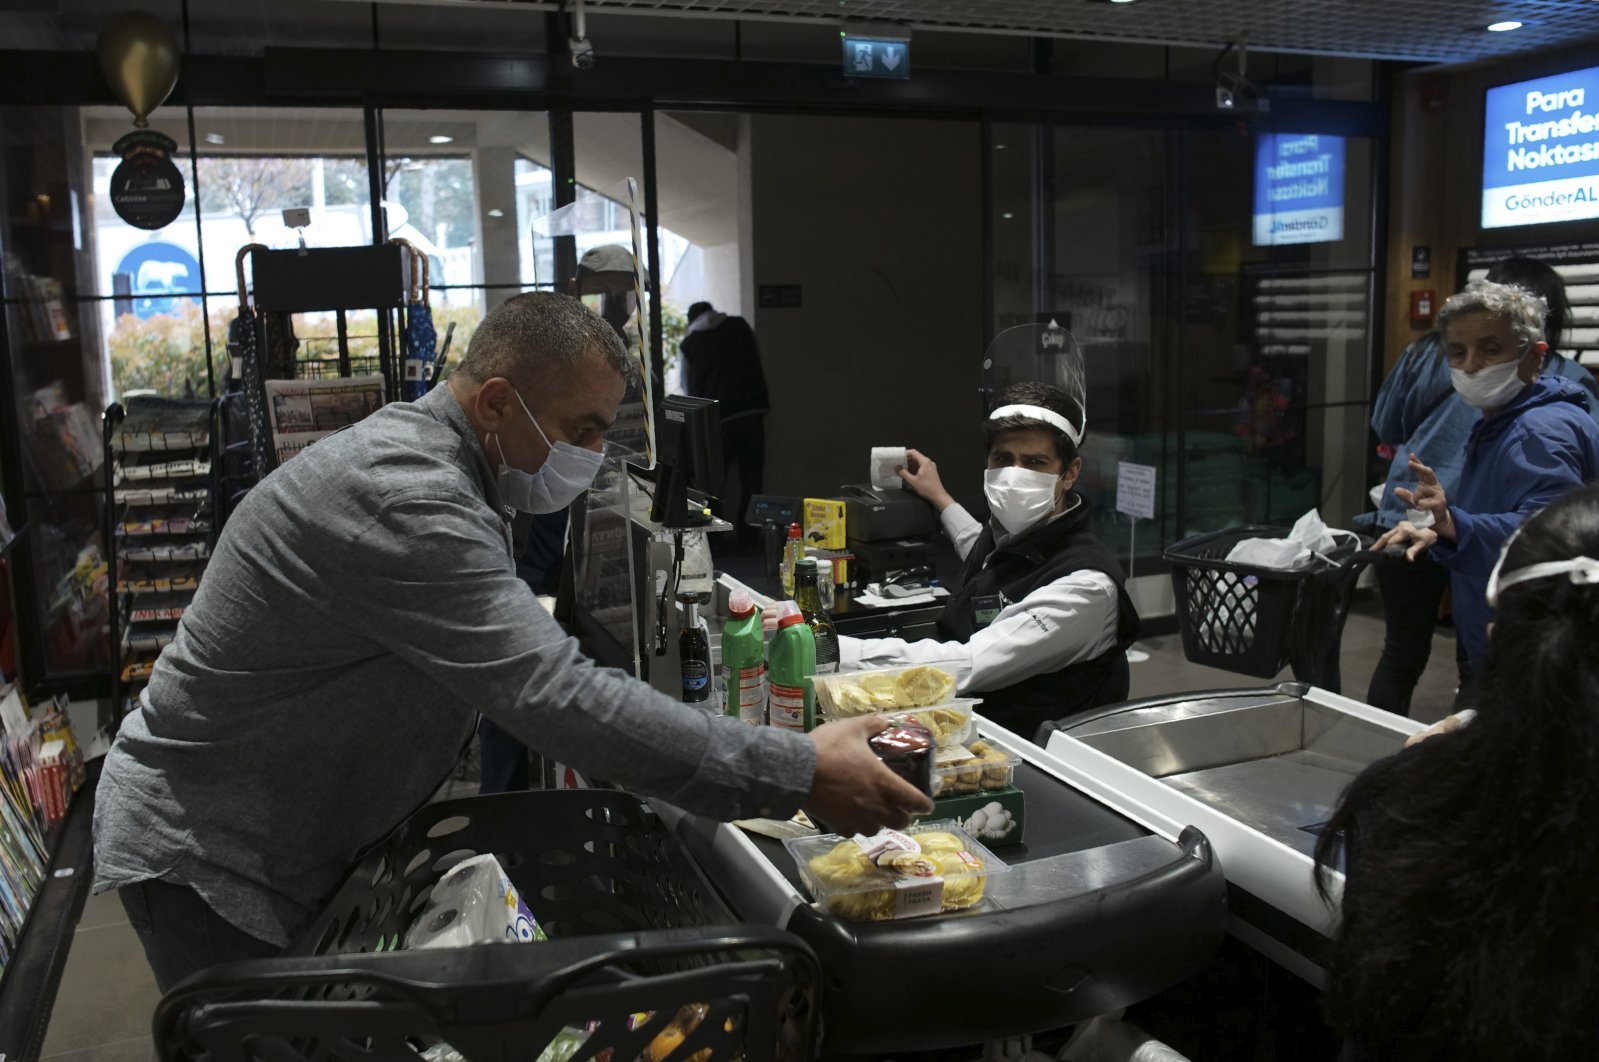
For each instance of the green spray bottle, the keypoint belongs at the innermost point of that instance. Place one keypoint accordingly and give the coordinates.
(744, 661)
(790, 665)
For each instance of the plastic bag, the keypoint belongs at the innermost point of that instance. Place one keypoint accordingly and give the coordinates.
(1309, 539)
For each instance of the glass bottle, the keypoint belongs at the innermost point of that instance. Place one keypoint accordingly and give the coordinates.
(808, 596)
(793, 550)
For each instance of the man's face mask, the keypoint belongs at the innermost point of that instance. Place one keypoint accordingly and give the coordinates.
(566, 473)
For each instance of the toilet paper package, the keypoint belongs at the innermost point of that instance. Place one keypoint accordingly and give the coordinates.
(474, 903)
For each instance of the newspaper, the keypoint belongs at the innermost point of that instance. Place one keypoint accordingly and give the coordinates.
(303, 411)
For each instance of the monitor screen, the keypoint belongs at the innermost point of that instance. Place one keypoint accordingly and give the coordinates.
(1299, 188)
(1540, 151)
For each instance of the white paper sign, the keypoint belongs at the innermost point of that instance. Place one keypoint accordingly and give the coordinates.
(1135, 490)
(13, 714)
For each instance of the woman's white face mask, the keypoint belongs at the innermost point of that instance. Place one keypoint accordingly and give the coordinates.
(1019, 498)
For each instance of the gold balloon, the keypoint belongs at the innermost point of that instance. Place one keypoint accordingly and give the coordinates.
(139, 58)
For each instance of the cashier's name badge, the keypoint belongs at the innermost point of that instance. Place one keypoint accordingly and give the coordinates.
(986, 609)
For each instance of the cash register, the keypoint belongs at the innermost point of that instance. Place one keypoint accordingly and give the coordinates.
(889, 530)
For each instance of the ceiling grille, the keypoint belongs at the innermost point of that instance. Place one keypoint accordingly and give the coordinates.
(1423, 30)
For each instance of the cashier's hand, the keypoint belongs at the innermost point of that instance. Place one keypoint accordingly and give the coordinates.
(1429, 498)
(853, 792)
(1414, 540)
(921, 476)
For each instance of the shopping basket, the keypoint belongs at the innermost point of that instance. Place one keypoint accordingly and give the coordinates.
(642, 952)
(1255, 620)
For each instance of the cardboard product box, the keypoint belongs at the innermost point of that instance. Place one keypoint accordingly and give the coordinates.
(993, 804)
(824, 523)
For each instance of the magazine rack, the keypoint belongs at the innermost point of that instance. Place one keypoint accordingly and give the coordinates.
(313, 280)
(161, 520)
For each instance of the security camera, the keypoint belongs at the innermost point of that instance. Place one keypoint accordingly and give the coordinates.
(1234, 92)
(582, 52)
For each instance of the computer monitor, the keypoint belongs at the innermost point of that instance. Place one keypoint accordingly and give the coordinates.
(689, 442)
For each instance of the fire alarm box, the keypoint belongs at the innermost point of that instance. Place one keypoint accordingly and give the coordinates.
(1422, 306)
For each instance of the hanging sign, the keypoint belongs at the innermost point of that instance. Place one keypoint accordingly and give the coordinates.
(146, 187)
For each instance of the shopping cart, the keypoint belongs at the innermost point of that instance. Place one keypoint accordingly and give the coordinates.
(642, 952)
(1255, 620)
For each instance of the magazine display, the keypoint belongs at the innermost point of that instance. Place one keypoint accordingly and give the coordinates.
(41, 767)
(303, 411)
(163, 528)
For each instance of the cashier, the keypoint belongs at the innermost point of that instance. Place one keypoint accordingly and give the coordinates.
(360, 609)
(1040, 621)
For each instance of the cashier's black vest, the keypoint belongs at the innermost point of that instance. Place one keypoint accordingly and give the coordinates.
(1053, 551)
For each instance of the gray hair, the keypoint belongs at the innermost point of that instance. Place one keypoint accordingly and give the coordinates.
(539, 334)
(1524, 310)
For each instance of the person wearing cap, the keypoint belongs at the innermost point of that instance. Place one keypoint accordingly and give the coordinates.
(1040, 621)
(1468, 922)
(1534, 441)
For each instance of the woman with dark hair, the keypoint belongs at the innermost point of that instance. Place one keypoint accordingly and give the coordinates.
(1470, 920)
(1542, 280)
(1040, 621)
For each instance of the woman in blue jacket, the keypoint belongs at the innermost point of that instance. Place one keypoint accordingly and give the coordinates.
(1535, 441)
(1418, 412)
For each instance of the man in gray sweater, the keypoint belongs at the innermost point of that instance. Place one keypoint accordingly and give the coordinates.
(362, 607)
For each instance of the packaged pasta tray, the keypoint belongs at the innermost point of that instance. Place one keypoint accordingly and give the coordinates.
(928, 869)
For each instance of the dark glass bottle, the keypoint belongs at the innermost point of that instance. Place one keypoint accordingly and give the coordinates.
(694, 653)
(808, 596)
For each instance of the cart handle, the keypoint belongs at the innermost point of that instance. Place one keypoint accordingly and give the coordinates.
(238, 271)
(409, 973)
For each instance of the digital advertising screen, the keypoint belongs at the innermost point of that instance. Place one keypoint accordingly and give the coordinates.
(1540, 155)
(1299, 189)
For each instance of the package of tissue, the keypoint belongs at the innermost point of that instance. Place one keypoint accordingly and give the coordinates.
(475, 903)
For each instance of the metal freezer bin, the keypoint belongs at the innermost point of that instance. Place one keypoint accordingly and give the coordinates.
(1096, 913)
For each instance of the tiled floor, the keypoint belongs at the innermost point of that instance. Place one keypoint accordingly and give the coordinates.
(107, 996)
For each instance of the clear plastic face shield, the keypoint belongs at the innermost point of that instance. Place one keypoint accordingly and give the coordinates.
(1581, 571)
(1038, 353)
(598, 240)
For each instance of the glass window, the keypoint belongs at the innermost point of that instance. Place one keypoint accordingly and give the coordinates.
(1238, 370)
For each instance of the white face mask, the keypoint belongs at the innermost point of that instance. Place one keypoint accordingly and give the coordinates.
(1019, 497)
(567, 472)
(1488, 388)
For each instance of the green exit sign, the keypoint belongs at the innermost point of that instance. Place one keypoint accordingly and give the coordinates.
(875, 57)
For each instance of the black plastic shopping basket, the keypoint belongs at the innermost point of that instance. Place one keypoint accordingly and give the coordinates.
(1255, 620)
(642, 953)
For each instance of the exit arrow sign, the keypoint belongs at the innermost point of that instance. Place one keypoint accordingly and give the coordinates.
(875, 57)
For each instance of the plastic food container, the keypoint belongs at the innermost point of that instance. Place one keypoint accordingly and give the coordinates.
(951, 723)
(851, 693)
(985, 768)
(931, 868)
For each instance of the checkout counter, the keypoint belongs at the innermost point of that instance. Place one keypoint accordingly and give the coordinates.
(1155, 828)
(1096, 912)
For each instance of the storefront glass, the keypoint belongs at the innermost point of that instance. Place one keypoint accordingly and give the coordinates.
(1232, 362)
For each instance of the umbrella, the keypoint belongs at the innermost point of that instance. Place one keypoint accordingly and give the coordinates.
(245, 332)
(419, 339)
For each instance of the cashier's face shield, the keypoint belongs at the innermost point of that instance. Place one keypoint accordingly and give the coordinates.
(1041, 353)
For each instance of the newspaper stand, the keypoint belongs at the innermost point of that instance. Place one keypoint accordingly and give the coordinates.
(318, 280)
(635, 929)
(1254, 620)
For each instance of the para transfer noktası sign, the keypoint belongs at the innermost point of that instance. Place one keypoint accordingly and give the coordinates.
(1299, 188)
(1540, 158)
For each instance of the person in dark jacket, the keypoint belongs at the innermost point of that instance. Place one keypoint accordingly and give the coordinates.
(1040, 622)
(1469, 925)
(722, 361)
(1536, 441)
